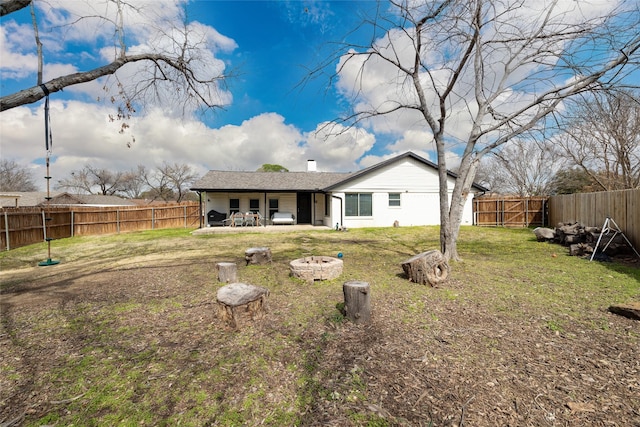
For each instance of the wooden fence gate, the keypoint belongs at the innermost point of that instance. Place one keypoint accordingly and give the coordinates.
(493, 211)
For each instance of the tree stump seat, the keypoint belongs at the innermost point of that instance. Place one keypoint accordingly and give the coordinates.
(237, 299)
(260, 255)
(227, 272)
(357, 301)
(428, 267)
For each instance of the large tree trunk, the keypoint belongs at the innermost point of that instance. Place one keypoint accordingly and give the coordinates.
(455, 210)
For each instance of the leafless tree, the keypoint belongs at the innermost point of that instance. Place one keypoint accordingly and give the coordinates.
(15, 177)
(479, 73)
(158, 187)
(179, 176)
(602, 137)
(132, 183)
(92, 180)
(168, 182)
(177, 65)
(523, 167)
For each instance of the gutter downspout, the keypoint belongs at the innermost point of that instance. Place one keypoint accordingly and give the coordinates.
(336, 197)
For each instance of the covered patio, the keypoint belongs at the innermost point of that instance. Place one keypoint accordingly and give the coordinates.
(259, 229)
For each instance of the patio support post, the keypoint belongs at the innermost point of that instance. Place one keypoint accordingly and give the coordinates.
(200, 211)
(266, 210)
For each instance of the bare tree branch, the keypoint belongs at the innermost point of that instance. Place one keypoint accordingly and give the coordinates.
(10, 6)
(178, 67)
(36, 93)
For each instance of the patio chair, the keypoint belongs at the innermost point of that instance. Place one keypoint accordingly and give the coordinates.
(249, 219)
(237, 219)
(259, 219)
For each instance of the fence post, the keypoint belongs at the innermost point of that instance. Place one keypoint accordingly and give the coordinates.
(184, 209)
(118, 221)
(153, 219)
(6, 229)
(72, 224)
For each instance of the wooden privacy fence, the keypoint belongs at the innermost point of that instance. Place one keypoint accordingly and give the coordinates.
(592, 209)
(28, 225)
(493, 211)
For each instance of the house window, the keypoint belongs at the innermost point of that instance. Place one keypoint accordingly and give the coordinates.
(394, 199)
(234, 206)
(254, 205)
(327, 204)
(273, 206)
(358, 204)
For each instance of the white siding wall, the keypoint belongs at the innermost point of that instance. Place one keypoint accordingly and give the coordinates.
(419, 199)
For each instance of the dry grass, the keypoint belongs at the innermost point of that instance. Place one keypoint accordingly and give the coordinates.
(124, 331)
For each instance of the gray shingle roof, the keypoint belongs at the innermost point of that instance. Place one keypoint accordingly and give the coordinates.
(29, 198)
(267, 181)
(294, 181)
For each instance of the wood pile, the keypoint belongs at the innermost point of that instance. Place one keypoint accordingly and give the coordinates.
(581, 240)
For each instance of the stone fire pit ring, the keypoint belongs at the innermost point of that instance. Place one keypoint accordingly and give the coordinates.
(313, 268)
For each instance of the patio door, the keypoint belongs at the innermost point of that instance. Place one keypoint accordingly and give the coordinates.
(303, 215)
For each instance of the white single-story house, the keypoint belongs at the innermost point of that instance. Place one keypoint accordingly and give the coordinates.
(403, 189)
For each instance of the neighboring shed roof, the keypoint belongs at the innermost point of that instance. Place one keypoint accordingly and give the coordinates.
(38, 198)
(89, 200)
(267, 181)
(21, 198)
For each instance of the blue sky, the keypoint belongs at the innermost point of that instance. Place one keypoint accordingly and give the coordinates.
(269, 48)
(278, 42)
(268, 116)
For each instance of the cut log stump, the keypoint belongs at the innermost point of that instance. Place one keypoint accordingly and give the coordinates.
(238, 300)
(427, 268)
(257, 255)
(630, 310)
(357, 301)
(227, 272)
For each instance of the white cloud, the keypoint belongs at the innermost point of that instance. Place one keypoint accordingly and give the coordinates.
(17, 61)
(510, 75)
(84, 135)
(82, 35)
(337, 148)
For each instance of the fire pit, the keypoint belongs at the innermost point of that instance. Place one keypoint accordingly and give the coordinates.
(316, 268)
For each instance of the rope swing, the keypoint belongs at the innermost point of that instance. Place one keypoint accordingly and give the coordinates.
(48, 144)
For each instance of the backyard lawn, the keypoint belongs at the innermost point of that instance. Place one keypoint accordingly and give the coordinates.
(124, 332)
